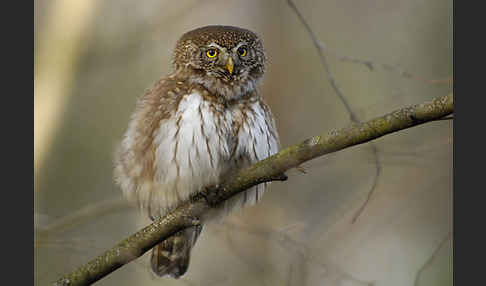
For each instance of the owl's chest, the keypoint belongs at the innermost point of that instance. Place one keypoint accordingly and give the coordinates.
(202, 141)
(205, 135)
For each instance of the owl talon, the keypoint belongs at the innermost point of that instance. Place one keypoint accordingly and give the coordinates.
(280, 177)
(213, 195)
(192, 220)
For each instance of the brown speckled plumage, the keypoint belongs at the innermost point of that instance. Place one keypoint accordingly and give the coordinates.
(193, 128)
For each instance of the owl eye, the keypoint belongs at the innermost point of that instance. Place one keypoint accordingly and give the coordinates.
(211, 53)
(242, 51)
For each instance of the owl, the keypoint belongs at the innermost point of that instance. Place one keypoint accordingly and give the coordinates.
(194, 128)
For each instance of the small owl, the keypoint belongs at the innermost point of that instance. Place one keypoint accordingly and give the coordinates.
(194, 128)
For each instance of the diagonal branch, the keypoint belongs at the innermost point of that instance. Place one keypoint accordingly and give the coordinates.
(270, 169)
(321, 48)
(431, 259)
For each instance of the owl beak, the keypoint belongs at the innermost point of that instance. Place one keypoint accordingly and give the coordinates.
(230, 65)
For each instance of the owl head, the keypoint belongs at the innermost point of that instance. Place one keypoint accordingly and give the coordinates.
(227, 60)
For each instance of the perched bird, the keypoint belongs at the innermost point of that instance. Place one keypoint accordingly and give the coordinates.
(193, 128)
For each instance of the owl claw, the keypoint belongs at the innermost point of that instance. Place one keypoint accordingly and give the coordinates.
(192, 220)
(280, 177)
(213, 195)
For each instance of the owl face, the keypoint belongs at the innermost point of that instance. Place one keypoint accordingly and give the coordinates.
(231, 55)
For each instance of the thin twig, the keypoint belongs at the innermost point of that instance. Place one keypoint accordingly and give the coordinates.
(321, 48)
(431, 258)
(369, 64)
(373, 186)
(84, 214)
(302, 253)
(189, 212)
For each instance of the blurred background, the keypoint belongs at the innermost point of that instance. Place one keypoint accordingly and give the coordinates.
(93, 59)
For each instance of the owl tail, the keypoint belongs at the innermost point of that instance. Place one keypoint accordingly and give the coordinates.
(171, 257)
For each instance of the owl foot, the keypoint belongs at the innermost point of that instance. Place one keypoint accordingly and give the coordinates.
(279, 177)
(192, 221)
(213, 195)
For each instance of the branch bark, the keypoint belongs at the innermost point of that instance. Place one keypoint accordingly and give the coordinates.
(270, 169)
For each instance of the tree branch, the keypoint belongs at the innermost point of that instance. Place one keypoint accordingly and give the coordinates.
(321, 50)
(270, 169)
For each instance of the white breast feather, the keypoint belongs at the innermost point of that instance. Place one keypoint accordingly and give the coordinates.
(200, 155)
(194, 152)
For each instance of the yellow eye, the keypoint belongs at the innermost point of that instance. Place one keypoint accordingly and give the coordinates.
(242, 52)
(211, 53)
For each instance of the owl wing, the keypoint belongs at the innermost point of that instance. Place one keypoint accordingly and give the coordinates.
(176, 143)
(256, 138)
(135, 170)
(255, 133)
